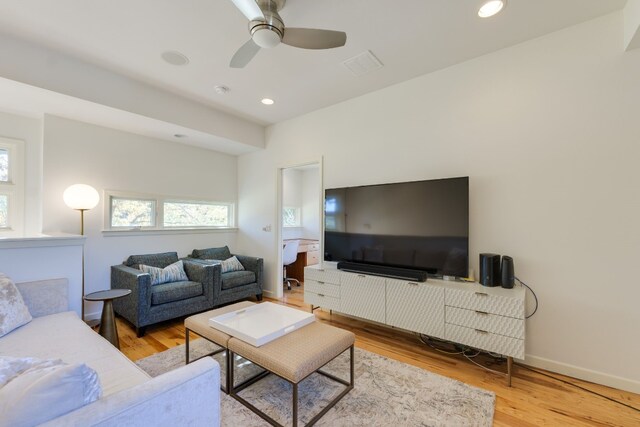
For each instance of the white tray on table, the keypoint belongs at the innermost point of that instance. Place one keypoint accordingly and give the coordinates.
(261, 323)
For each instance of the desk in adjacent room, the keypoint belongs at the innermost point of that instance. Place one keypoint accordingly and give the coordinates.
(308, 254)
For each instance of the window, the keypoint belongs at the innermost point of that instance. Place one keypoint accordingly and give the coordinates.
(147, 212)
(4, 211)
(132, 212)
(11, 187)
(291, 217)
(196, 214)
(4, 165)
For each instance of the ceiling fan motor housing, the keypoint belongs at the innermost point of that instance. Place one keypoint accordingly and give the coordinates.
(268, 33)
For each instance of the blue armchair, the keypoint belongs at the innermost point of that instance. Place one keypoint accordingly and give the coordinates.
(149, 304)
(233, 285)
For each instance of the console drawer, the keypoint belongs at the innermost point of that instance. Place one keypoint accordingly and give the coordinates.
(485, 340)
(322, 288)
(501, 325)
(323, 275)
(321, 300)
(313, 258)
(485, 301)
(313, 247)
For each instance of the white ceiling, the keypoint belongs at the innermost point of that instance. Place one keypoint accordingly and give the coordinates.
(410, 37)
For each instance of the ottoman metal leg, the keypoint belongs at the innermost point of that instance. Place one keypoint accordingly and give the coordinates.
(233, 391)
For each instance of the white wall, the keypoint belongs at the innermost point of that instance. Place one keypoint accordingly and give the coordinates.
(311, 196)
(292, 197)
(301, 188)
(28, 130)
(45, 257)
(76, 152)
(548, 133)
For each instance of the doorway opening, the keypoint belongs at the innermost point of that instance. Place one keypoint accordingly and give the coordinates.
(299, 234)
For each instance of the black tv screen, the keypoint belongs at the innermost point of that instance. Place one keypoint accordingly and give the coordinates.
(421, 225)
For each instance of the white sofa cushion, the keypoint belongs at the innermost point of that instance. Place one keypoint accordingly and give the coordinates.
(13, 311)
(41, 390)
(64, 336)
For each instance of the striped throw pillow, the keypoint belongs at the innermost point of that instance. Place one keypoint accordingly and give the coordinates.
(171, 273)
(228, 265)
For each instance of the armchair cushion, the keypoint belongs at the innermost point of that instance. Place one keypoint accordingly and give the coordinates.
(175, 291)
(234, 279)
(160, 260)
(212, 253)
(171, 273)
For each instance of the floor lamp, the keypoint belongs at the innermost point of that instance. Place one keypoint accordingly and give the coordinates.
(81, 197)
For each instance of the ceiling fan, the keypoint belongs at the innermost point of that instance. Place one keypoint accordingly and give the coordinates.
(267, 30)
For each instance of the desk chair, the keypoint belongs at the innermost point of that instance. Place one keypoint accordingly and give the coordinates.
(289, 255)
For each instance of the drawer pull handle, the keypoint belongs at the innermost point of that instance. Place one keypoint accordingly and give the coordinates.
(484, 313)
(413, 283)
(362, 275)
(480, 331)
(320, 283)
(482, 294)
(321, 295)
(321, 269)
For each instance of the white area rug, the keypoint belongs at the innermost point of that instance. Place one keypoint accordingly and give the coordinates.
(386, 393)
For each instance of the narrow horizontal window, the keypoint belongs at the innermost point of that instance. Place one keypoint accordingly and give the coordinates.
(136, 212)
(4, 211)
(132, 212)
(196, 214)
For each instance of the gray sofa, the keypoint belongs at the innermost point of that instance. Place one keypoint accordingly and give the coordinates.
(149, 304)
(235, 285)
(189, 395)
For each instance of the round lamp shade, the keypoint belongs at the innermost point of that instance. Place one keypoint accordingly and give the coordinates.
(81, 197)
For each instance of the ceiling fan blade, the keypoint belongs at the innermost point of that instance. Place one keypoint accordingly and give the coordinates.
(244, 54)
(249, 8)
(309, 38)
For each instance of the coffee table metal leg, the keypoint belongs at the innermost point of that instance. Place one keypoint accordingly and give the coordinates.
(295, 405)
(108, 324)
(186, 344)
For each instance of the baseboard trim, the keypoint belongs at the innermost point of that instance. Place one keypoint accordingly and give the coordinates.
(92, 316)
(583, 374)
(269, 294)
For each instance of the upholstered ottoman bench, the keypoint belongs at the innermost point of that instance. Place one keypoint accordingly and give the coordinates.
(199, 324)
(293, 357)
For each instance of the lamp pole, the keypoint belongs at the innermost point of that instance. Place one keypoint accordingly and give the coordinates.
(81, 197)
(82, 234)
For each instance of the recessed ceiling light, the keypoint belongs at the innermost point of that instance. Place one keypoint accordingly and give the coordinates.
(175, 58)
(179, 135)
(491, 8)
(267, 101)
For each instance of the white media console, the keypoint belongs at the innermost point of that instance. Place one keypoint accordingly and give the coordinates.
(489, 319)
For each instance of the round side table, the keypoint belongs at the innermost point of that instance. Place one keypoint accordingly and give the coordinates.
(108, 327)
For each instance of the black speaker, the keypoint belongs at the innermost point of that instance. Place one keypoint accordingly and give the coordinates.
(490, 270)
(507, 273)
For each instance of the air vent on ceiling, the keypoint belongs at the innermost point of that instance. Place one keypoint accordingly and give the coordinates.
(362, 64)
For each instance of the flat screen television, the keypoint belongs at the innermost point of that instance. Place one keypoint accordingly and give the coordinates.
(421, 225)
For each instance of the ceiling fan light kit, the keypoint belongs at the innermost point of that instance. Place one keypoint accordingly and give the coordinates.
(267, 30)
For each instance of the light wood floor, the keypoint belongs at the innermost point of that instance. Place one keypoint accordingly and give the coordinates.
(534, 399)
